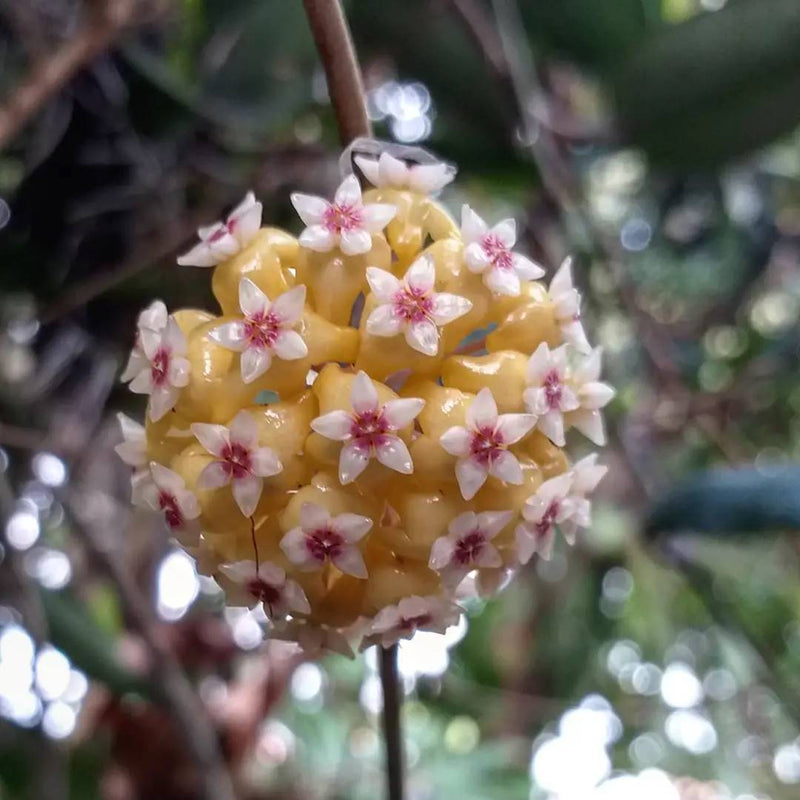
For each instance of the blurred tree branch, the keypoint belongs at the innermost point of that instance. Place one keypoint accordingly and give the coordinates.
(107, 20)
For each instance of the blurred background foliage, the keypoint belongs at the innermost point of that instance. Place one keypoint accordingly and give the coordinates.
(656, 140)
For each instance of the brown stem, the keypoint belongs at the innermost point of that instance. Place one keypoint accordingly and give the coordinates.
(392, 731)
(183, 701)
(53, 73)
(335, 47)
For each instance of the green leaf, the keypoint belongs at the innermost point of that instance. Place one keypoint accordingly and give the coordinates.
(747, 500)
(715, 86)
(89, 647)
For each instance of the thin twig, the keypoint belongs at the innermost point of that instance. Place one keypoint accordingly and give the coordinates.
(392, 703)
(335, 47)
(52, 74)
(183, 701)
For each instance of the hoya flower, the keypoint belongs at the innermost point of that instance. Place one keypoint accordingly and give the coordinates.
(567, 302)
(586, 475)
(370, 430)
(346, 222)
(241, 462)
(412, 614)
(592, 395)
(222, 240)
(166, 370)
(549, 395)
(153, 318)
(133, 452)
(167, 493)
(411, 307)
(321, 538)
(467, 545)
(266, 330)
(549, 506)
(488, 252)
(390, 172)
(265, 583)
(482, 446)
(314, 640)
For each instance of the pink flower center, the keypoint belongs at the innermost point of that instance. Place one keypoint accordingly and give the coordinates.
(264, 592)
(339, 218)
(486, 444)
(412, 623)
(544, 526)
(159, 368)
(469, 547)
(553, 389)
(223, 230)
(261, 330)
(412, 305)
(497, 252)
(369, 429)
(237, 460)
(172, 512)
(324, 543)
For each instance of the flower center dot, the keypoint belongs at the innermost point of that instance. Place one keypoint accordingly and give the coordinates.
(339, 218)
(548, 520)
(413, 305)
(412, 623)
(324, 543)
(261, 330)
(160, 367)
(553, 389)
(169, 505)
(497, 252)
(369, 428)
(486, 444)
(469, 547)
(237, 460)
(263, 591)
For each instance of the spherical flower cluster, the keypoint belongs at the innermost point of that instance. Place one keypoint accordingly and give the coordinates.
(377, 413)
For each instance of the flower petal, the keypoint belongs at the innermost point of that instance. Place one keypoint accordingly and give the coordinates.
(289, 346)
(213, 437)
(289, 306)
(355, 242)
(393, 171)
(314, 517)
(487, 557)
(505, 466)
(318, 238)
(402, 412)
(526, 269)
(295, 548)
(230, 335)
(595, 395)
(429, 178)
(348, 192)
(179, 370)
(562, 280)
(482, 412)
(369, 167)
(503, 281)
(255, 361)
(588, 422)
(166, 479)
(351, 562)
(551, 424)
(353, 527)
(363, 395)
(244, 430)
(441, 553)
(393, 453)
(506, 232)
(512, 427)
(162, 400)
(421, 275)
(335, 425)
(476, 258)
(296, 598)
(247, 493)
(265, 462)
(423, 336)
(492, 522)
(200, 255)
(472, 226)
(384, 285)
(376, 216)
(352, 462)
(456, 441)
(539, 364)
(252, 301)
(382, 321)
(471, 475)
(173, 338)
(311, 209)
(447, 307)
(143, 382)
(213, 476)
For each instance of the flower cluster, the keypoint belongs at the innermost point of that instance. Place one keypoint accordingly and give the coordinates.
(336, 445)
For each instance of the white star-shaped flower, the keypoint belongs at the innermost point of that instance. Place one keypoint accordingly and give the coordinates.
(411, 307)
(321, 538)
(482, 446)
(133, 452)
(586, 474)
(412, 614)
(153, 318)
(549, 506)
(488, 252)
(346, 222)
(167, 492)
(241, 462)
(265, 583)
(592, 395)
(390, 172)
(370, 430)
(220, 241)
(266, 330)
(567, 301)
(467, 545)
(166, 370)
(314, 640)
(549, 395)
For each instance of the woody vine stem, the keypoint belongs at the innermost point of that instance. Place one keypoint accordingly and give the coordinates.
(335, 46)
